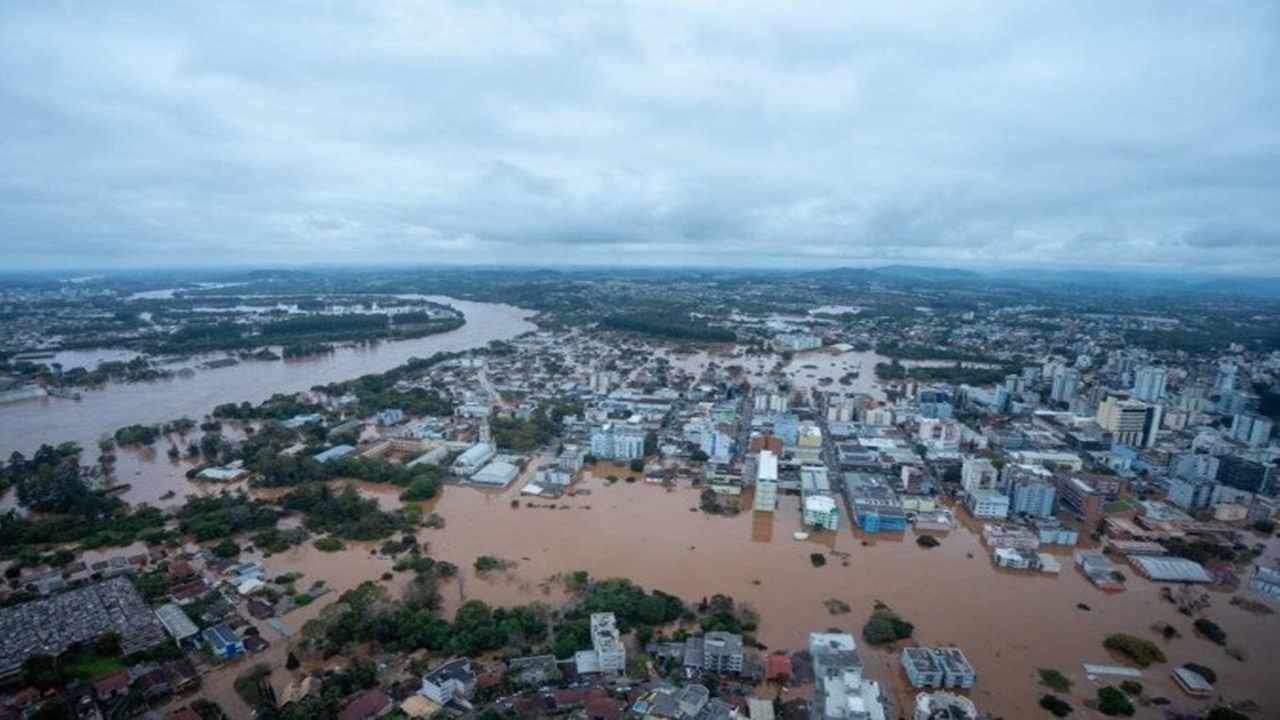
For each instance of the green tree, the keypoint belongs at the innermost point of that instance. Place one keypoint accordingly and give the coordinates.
(1112, 702)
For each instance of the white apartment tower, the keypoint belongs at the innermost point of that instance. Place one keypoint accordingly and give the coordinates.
(1065, 385)
(1149, 382)
(607, 643)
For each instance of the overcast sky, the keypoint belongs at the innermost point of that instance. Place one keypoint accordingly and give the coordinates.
(1116, 134)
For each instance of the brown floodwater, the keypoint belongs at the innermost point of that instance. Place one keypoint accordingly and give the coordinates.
(25, 425)
(1008, 623)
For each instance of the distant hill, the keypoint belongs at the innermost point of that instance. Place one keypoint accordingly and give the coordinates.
(923, 272)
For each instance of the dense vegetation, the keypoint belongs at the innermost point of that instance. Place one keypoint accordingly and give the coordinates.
(54, 481)
(215, 517)
(1055, 705)
(291, 470)
(955, 374)
(344, 514)
(886, 626)
(671, 326)
(1139, 651)
(1113, 702)
(1055, 680)
(543, 424)
(369, 614)
(1211, 630)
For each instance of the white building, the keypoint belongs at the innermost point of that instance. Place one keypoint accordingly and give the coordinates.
(496, 474)
(820, 511)
(944, 706)
(1149, 382)
(607, 643)
(879, 416)
(473, 459)
(618, 441)
(1065, 385)
(978, 474)
(841, 691)
(766, 499)
(940, 435)
(985, 504)
(1250, 429)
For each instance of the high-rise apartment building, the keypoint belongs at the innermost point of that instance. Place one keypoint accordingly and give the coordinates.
(1130, 422)
(1149, 382)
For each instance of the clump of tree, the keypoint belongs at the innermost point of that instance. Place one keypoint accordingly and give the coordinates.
(214, 517)
(631, 604)
(1211, 630)
(329, 544)
(1055, 705)
(422, 482)
(541, 427)
(1055, 680)
(927, 541)
(422, 487)
(137, 435)
(344, 514)
(1113, 702)
(491, 563)
(273, 540)
(1139, 651)
(368, 614)
(277, 407)
(674, 324)
(817, 559)
(54, 481)
(1202, 551)
(886, 626)
(722, 614)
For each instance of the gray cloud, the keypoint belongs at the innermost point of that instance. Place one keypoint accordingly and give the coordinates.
(1135, 135)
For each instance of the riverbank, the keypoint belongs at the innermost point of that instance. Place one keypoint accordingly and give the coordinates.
(25, 425)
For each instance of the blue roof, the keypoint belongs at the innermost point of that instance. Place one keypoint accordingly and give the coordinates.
(221, 635)
(335, 452)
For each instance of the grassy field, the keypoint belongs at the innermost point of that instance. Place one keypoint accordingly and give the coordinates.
(88, 668)
(1120, 505)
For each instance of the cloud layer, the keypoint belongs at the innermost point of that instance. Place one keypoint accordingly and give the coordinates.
(1136, 135)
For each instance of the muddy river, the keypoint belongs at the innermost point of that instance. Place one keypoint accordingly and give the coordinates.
(25, 425)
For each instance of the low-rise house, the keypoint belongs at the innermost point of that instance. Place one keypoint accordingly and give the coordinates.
(113, 686)
(180, 627)
(154, 684)
(224, 641)
(182, 675)
(777, 667)
(1100, 570)
(365, 705)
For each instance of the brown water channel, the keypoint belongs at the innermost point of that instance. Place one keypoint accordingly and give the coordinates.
(25, 425)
